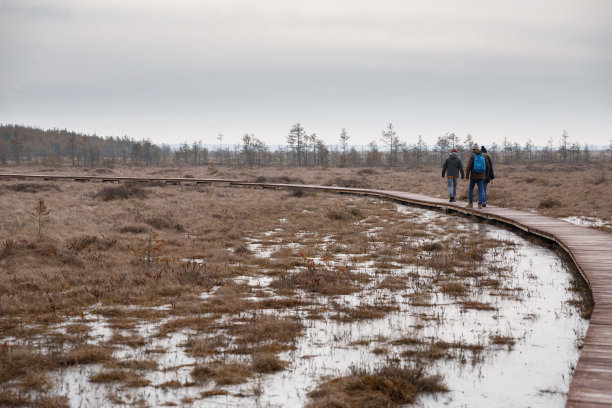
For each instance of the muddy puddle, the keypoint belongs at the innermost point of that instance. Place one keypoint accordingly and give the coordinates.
(589, 222)
(500, 331)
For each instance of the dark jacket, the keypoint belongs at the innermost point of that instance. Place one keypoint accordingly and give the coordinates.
(490, 163)
(469, 168)
(452, 166)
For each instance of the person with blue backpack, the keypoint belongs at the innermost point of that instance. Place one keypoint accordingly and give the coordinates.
(490, 174)
(477, 170)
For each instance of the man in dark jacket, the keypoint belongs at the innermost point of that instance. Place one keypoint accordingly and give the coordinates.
(490, 174)
(476, 178)
(452, 166)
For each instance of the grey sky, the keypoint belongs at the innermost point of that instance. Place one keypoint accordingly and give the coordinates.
(187, 70)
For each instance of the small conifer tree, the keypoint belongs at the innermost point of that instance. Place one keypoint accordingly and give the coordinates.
(40, 215)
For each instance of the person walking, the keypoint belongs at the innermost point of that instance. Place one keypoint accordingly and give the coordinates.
(490, 174)
(452, 167)
(476, 170)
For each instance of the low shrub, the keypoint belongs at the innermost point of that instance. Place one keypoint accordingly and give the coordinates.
(87, 241)
(133, 229)
(122, 191)
(164, 224)
(283, 180)
(549, 203)
(33, 188)
(349, 183)
(347, 213)
(300, 192)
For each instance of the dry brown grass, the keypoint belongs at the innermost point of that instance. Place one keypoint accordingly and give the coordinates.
(84, 264)
(579, 189)
(361, 312)
(263, 329)
(388, 386)
(222, 373)
(266, 362)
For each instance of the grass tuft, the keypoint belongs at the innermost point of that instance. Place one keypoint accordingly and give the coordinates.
(389, 386)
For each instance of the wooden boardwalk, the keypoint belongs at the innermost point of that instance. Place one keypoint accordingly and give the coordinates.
(591, 250)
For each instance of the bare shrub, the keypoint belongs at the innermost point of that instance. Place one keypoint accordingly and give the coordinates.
(549, 203)
(346, 213)
(122, 191)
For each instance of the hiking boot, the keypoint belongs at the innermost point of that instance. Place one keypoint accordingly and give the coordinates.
(453, 199)
(484, 205)
(479, 205)
(469, 205)
(450, 200)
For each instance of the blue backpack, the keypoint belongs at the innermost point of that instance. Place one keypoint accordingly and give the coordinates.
(479, 163)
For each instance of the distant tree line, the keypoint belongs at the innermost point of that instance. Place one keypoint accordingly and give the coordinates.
(60, 147)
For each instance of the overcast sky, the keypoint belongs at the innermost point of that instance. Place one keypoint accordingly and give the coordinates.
(187, 70)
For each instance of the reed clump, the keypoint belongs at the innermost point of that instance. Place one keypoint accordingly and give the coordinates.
(389, 386)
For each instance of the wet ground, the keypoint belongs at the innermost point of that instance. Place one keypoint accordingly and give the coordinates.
(511, 344)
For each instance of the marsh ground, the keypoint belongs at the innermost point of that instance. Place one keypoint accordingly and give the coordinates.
(196, 293)
(557, 190)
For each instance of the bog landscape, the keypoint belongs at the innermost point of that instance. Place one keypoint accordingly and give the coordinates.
(154, 293)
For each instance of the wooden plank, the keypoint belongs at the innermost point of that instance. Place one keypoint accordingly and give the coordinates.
(581, 404)
(601, 316)
(599, 334)
(591, 387)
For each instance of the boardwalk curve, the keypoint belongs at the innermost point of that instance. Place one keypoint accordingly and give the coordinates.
(591, 251)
